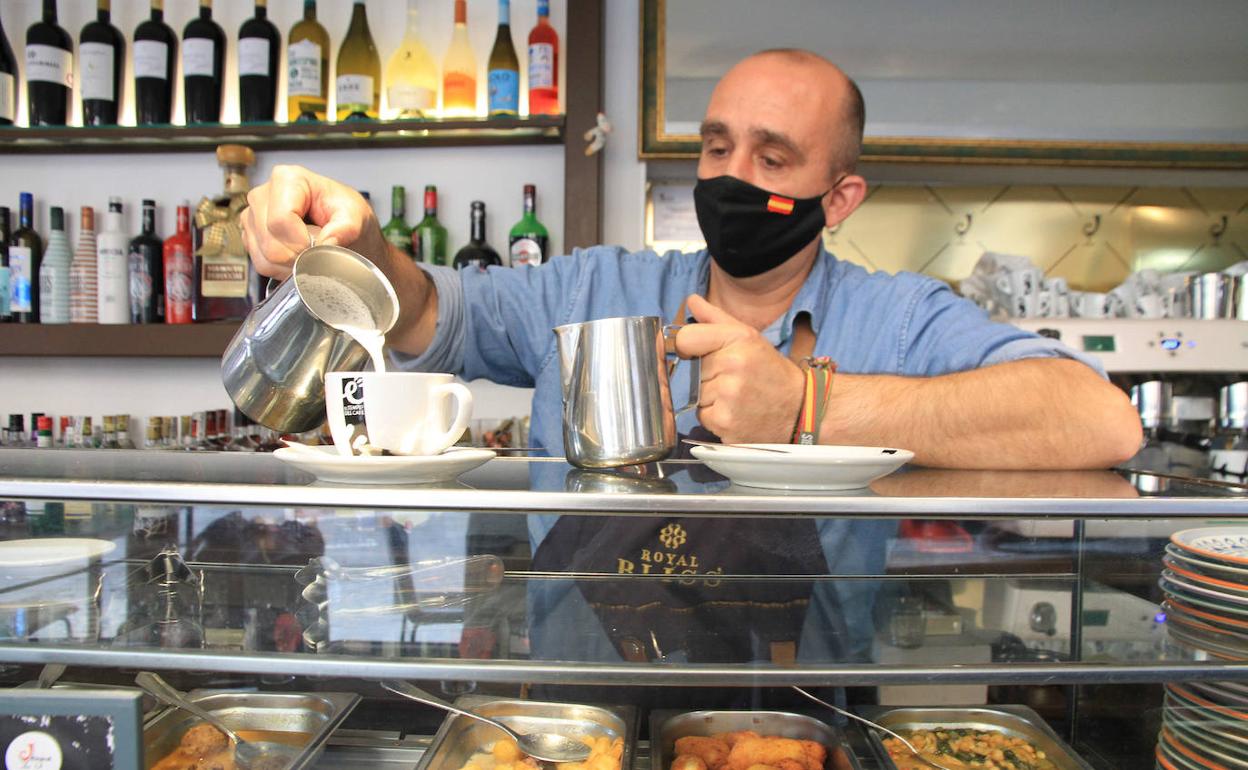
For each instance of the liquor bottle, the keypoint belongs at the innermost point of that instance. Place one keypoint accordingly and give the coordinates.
(123, 432)
(82, 276)
(429, 236)
(307, 62)
(221, 263)
(101, 62)
(49, 70)
(359, 70)
(504, 68)
(110, 433)
(459, 70)
(25, 256)
(6, 286)
(43, 436)
(179, 270)
(411, 75)
(259, 45)
(396, 230)
(8, 81)
(477, 251)
(203, 61)
(530, 243)
(155, 50)
(112, 268)
(54, 273)
(543, 64)
(147, 271)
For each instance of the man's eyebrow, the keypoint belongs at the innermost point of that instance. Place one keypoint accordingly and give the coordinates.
(777, 139)
(713, 128)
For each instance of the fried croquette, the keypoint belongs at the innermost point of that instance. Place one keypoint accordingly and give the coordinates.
(816, 754)
(732, 738)
(203, 740)
(688, 762)
(768, 751)
(713, 751)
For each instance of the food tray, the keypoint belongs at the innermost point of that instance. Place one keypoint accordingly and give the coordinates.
(667, 726)
(1014, 721)
(460, 737)
(314, 713)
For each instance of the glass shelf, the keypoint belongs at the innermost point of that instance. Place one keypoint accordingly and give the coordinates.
(543, 129)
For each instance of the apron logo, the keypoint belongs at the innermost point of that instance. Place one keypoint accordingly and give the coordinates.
(673, 536)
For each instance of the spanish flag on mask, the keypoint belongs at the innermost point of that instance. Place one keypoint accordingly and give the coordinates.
(778, 204)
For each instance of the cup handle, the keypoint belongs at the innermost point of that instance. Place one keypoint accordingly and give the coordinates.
(695, 367)
(463, 406)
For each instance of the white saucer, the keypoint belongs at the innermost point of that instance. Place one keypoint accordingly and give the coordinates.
(326, 464)
(803, 467)
(47, 552)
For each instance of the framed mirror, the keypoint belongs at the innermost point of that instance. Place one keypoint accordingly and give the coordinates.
(1149, 83)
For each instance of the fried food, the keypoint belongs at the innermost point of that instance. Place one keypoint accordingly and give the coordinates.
(770, 750)
(732, 738)
(688, 762)
(747, 750)
(816, 754)
(713, 751)
(202, 740)
(604, 754)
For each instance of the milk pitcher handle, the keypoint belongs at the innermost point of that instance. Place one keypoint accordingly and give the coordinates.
(695, 367)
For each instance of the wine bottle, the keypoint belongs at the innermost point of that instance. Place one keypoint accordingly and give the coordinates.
(459, 71)
(147, 271)
(504, 68)
(112, 274)
(543, 64)
(49, 70)
(411, 75)
(8, 81)
(477, 251)
(101, 62)
(179, 270)
(429, 236)
(203, 61)
(6, 287)
(259, 45)
(82, 277)
(25, 256)
(396, 230)
(221, 264)
(358, 82)
(529, 240)
(307, 62)
(54, 273)
(155, 50)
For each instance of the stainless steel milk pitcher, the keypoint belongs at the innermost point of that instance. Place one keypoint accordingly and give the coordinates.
(617, 402)
(274, 368)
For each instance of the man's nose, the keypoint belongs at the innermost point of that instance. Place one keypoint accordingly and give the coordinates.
(741, 167)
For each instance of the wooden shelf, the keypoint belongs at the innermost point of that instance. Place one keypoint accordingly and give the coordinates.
(542, 129)
(137, 341)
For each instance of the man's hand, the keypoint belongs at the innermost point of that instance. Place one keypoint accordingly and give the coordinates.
(750, 392)
(274, 227)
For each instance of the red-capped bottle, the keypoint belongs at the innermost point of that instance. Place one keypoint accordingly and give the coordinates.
(178, 253)
(543, 64)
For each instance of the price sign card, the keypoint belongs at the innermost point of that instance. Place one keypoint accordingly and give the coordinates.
(70, 729)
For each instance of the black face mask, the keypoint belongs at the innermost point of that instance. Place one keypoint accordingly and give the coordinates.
(749, 230)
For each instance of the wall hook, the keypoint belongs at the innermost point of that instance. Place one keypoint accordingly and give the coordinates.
(1218, 228)
(597, 136)
(1090, 228)
(963, 227)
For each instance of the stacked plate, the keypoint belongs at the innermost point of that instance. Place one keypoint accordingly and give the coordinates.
(1205, 580)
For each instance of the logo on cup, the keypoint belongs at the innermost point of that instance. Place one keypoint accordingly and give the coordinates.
(353, 401)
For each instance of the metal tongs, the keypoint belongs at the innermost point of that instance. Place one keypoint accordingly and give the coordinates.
(869, 723)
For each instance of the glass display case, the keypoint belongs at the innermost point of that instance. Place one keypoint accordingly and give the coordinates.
(662, 588)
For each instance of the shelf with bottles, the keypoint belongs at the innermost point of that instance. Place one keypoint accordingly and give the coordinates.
(204, 340)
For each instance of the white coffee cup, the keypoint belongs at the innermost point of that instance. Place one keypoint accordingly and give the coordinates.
(404, 413)
(1089, 304)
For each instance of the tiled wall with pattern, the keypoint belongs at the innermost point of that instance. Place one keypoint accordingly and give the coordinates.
(1092, 236)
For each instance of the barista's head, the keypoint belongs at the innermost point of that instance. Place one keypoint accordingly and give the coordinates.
(779, 143)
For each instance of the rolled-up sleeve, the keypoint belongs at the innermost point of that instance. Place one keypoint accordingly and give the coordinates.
(446, 352)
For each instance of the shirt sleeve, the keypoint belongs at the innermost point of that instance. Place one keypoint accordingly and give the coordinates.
(946, 333)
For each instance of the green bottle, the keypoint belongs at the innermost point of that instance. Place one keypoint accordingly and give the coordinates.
(429, 237)
(530, 243)
(396, 230)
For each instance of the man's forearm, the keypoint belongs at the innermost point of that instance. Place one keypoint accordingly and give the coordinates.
(418, 304)
(1033, 414)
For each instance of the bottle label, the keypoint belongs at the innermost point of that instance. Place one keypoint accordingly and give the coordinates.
(140, 285)
(504, 91)
(224, 275)
(355, 90)
(52, 309)
(49, 64)
(197, 57)
(525, 251)
(95, 71)
(178, 284)
(151, 59)
(304, 62)
(8, 98)
(113, 283)
(253, 57)
(411, 98)
(6, 291)
(20, 300)
(459, 90)
(541, 66)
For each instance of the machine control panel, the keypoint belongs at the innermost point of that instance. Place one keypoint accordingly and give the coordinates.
(1151, 345)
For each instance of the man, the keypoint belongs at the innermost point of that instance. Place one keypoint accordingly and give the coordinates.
(919, 367)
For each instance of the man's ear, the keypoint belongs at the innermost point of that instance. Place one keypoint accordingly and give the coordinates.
(841, 201)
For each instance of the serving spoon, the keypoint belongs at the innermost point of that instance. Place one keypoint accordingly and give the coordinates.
(713, 445)
(248, 755)
(545, 747)
(869, 723)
